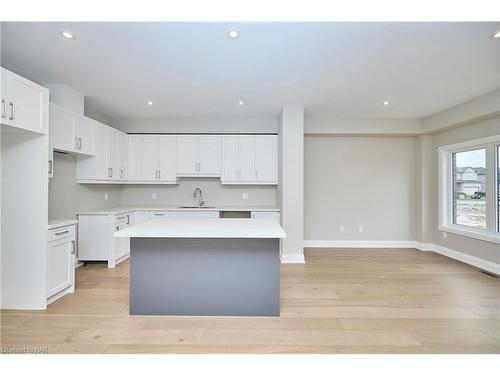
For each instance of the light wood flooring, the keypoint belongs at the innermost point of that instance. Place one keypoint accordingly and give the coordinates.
(340, 301)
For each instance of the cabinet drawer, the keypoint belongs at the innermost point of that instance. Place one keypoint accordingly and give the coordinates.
(158, 214)
(62, 232)
(266, 215)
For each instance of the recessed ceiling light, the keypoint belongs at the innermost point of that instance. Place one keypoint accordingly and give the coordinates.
(233, 34)
(497, 34)
(68, 34)
(386, 103)
(241, 102)
(150, 103)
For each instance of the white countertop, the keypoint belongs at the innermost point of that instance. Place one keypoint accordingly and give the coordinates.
(58, 223)
(204, 228)
(121, 210)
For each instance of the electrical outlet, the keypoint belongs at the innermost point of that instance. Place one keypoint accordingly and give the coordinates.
(360, 229)
(153, 196)
(244, 195)
(342, 228)
(105, 196)
(445, 235)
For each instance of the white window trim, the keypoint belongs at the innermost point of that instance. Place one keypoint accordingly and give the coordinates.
(445, 172)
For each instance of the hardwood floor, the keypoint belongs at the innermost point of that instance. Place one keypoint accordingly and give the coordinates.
(340, 301)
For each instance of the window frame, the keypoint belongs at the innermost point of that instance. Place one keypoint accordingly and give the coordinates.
(445, 186)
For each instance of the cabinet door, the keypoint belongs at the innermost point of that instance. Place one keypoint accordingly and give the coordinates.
(5, 79)
(122, 155)
(230, 159)
(209, 161)
(134, 157)
(166, 157)
(27, 105)
(247, 157)
(266, 158)
(84, 133)
(112, 143)
(187, 163)
(60, 260)
(100, 151)
(62, 129)
(194, 214)
(149, 157)
(266, 215)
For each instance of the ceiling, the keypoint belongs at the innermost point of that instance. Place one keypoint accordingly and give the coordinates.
(343, 70)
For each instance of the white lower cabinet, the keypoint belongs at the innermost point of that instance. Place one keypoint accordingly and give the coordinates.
(184, 214)
(266, 215)
(96, 241)
(61, 249)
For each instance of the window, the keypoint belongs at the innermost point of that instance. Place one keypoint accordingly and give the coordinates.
(469, 188)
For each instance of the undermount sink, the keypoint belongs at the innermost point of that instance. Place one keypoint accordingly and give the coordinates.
(195, 207)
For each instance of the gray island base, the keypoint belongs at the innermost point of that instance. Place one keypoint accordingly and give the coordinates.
(204, 276)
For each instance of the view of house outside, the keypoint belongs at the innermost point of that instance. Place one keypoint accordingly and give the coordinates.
(469, 188)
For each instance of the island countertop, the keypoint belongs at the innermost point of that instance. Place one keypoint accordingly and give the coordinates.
(204, 228)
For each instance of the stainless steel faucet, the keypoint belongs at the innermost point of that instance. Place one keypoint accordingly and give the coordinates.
(198, 194)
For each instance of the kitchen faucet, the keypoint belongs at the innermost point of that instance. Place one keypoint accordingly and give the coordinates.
(197, 194)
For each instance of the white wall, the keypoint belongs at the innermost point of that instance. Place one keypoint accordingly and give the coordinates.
(362, 180)
(291, 182)
(66, 197)
(214, 194)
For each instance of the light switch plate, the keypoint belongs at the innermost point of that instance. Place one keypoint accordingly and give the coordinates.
(360, 229)
(342, 228)
(244, 195)
(445, 235)
(105, 196)
(154, 196)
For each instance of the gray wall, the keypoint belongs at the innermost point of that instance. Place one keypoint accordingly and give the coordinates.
(477, 248)
(66, 197)
(214, 194)
(361, 180)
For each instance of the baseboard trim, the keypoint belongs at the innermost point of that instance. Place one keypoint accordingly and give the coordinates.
(292, 258)
(422, 246)
(360, 244)
(468, 259)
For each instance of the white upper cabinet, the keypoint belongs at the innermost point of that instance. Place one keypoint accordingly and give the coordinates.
(84, 134)
(70, 131)
(113, 153)
(106, 163)
(24, 104)
(152, 159)
(187, 155)
(198, 155)
(250, 159)
(230, 159)
(122, 156)
(167, 158)
(266, 158)
(149, 158)
(134, 158)
(246, 155)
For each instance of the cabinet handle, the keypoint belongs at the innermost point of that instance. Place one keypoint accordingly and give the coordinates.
(159, 174)
(50, 166)
(121, 173)
(4, 115)
(61, 233)
(76, 143)
(128, 219)
(256, 174)
(11, 105)
(73, 247)
(80, 143)
(110, 172)
(237, 174)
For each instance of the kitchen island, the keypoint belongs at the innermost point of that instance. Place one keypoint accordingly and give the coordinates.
(216, 267)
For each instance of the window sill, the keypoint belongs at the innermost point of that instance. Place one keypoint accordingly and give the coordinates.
(486, 236)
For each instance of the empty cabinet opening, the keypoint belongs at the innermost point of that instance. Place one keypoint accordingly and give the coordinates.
(235, 214)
